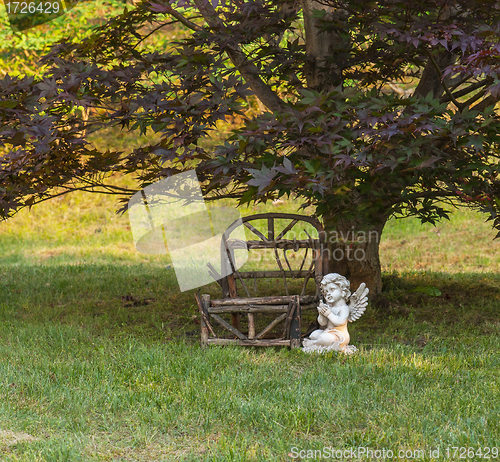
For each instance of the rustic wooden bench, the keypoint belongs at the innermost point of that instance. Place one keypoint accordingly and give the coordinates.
(275, 235)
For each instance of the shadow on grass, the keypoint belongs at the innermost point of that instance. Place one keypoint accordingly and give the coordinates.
(144, 300)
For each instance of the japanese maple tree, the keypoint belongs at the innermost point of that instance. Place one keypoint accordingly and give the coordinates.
(368, 109)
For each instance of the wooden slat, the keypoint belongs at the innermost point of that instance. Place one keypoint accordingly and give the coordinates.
(288, 216)
(309, 306)
(235, 320)
(251, 326)
(271, 326)
(309, 273)
(289, 317)
(276, 255)
(295, 325)
(312, 246)
(229, 327)
(203, 305)
(232, 286)
(280, 244)
(273, 274)
(254, 343)
(288, 228)
(235, 317)
(270, 309)
(248, 309)
(272, 300)
(256, 231)
(318, 263)
(270, 229)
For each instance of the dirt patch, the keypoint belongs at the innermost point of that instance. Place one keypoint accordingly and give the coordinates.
(8, 438)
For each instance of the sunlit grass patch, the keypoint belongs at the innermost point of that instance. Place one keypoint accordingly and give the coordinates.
(463, 244)
(101, 397)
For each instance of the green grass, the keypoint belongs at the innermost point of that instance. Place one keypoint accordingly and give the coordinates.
(86, 374)
(463, 244)
(100, 356)
(85, 391)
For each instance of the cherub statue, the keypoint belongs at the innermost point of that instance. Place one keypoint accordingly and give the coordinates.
(340, 307)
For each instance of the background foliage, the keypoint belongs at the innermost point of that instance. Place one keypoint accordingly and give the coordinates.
(20, 52)
(341, 134)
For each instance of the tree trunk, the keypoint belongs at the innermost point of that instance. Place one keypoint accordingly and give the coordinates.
(353, 252)
(323, 44)
(352, 248)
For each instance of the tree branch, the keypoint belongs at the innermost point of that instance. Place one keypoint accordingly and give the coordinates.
(189, 24)
(110, 187)
(66, 191)
(430, 80)
(475, 98)
(489, 101)
(422, 194)
(322, 44)
(469, 89)
(249, 71)
(459, 106)
(165, 24)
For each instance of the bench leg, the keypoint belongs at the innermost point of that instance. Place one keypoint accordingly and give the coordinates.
(204, 334)
(251, 326)
(235, 320)
(205, 301)
(295, 326)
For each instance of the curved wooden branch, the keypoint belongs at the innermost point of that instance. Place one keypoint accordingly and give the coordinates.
(189, 24)
(249, 71)
(459, 106)
(469, 89)
(489, 101)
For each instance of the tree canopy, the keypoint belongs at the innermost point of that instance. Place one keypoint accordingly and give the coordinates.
(367, 109)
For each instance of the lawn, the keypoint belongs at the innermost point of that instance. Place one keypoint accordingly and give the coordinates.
(100, 356)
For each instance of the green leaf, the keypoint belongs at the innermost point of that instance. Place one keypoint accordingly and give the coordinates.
(8, 104)
(319, 14)
(428, 290)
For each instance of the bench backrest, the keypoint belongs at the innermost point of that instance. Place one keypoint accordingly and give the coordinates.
(279, 233)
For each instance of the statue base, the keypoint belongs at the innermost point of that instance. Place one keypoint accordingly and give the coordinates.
(347, 350)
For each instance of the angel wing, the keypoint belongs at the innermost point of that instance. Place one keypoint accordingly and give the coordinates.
(358, 302)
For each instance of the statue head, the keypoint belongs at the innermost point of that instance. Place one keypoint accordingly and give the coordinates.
(340, 281)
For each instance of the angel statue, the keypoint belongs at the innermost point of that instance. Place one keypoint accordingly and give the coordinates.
(340, 307)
